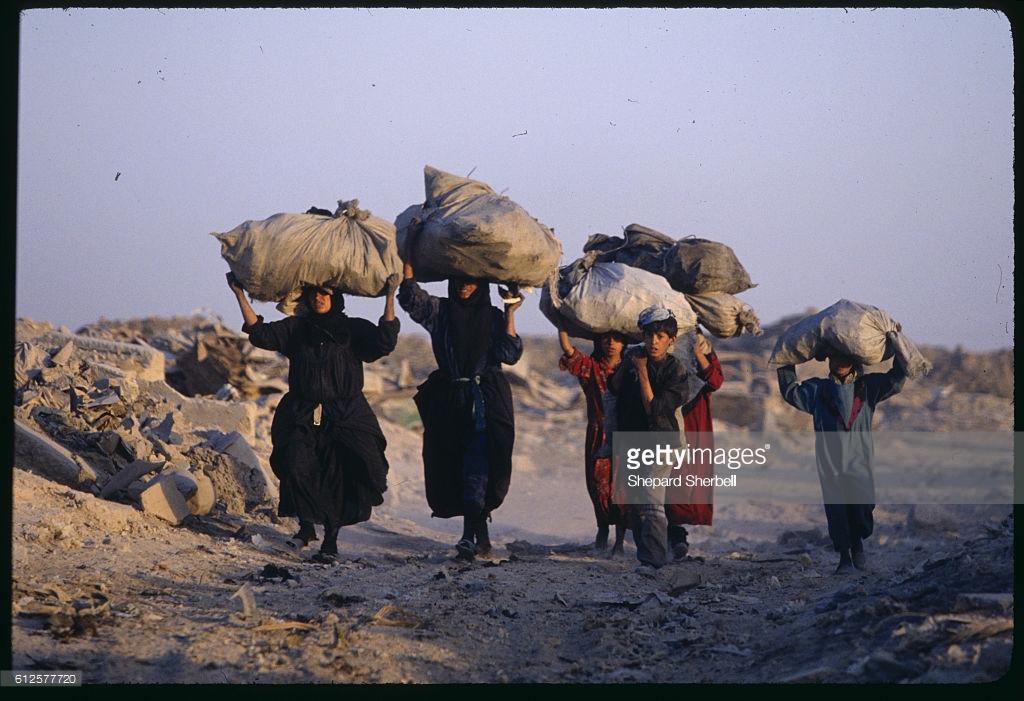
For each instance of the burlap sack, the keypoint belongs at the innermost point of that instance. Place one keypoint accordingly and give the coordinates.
(469, 230)
(592, 298)
(852, 329)
(352, 252)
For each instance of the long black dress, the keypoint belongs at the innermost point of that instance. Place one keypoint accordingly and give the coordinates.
(467, 415)
(335, 472)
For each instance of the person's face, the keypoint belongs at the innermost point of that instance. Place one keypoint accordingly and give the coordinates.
(840, 367)
(466, 289)
(657, 344)
(320, 301)
(611, 346)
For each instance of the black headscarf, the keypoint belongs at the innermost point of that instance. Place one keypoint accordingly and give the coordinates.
(469, 323)
(332, 323)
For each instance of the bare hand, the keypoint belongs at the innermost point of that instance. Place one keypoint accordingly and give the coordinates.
(233, 283)
(511, 297)
(703, 345)
(392, 283)
(639, 362)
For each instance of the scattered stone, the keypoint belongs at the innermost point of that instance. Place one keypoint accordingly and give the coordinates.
(683, 581)
(162, 499)
(145, 361)
(272, 571)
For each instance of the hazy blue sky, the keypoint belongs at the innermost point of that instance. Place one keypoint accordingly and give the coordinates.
(854, 154)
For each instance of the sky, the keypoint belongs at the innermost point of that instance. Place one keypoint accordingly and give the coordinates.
(840, 153)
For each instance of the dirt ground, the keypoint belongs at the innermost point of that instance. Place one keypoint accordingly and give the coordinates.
(104, 588)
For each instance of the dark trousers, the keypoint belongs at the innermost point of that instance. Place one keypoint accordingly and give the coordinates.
(650, 533)
(848, 524)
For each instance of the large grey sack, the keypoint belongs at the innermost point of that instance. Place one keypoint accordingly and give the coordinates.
(353, 252)
(724, 315)
(852, 329)
(691, 265)
(590, 298)
(469, 230)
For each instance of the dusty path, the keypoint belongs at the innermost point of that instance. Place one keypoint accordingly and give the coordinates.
(154, 603)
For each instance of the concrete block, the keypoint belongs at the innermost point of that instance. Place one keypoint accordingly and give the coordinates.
(162, 499)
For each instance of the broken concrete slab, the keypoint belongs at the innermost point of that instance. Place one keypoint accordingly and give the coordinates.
(128, 474)
(39, 454)
(62, 356)
(144, 360)
(162, 499)
(199, 413)
(184, 481)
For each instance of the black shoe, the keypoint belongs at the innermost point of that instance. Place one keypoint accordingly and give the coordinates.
(601, 541)
(859, 561)
(845, 567)
(466, 549)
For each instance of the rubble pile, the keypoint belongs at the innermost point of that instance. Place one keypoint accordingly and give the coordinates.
(93, 411)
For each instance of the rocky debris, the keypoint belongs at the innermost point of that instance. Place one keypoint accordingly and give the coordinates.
(161, 498)
(45, 457)
(64, 615)
(144, 361)
(254, 477)
(123, 478)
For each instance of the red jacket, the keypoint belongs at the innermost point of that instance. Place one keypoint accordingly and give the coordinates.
(699, 434)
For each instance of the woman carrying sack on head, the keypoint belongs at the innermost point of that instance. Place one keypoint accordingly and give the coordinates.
(328, 447)
(466, 404)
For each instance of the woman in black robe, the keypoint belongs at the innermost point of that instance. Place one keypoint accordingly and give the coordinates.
(328, 447)
(466, 404)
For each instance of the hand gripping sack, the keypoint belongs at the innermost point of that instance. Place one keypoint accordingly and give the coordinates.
(352, 252)
(469, 230)
(592, 298)
(852, 329)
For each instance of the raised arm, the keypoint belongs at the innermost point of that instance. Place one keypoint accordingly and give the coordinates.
(273, 336)
(800, 395)
(248, 315)
(882, 385)
(419, 304)
(707, 359)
